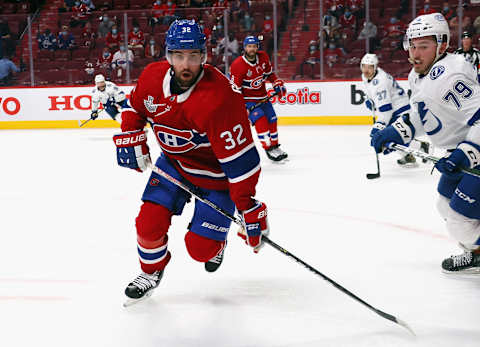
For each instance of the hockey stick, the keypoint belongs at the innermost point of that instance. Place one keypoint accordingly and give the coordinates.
(251, 108)
(428, 157)
(279, 248)
(88, 120)
(372, 176)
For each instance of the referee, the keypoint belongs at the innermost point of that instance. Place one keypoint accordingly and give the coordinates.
(470, 53)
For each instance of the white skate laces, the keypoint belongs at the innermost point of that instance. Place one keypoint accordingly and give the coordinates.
(145, 281)
(464, 259)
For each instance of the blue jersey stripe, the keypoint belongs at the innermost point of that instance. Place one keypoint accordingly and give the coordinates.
(385, 108)
(474, 118)
(401, 110)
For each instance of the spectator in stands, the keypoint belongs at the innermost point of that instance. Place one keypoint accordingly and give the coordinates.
(89, 69)
(89, 4)
(330, 27)
(157, 13)
(88, 36)
(236, 11)
(231, 46)
(169, 9)
(447, 11)
(333, 54)
(105, 26)
(218, 8)
(152, 50)
(311, 60)
(334, 8)
(184, 3)
(7, 70)
(104, 62)
(466, 22)
(427, 9)
(80, 13)
(206, 30)
(114, 39)
(65, 39)
(369, 32)
(247, 23)
(67, 6)
(395, 29)
(267, 24)
(47, 40)
(7, 44)
(136, 39)
(121, 59)
(348, 24)
(356, 7)
(476, 25)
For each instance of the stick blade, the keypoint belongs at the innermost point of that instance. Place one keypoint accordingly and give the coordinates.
(372, 176)
(406, 326)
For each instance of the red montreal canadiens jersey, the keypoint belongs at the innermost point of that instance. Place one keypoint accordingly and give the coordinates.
(251, 77)
(204, 131)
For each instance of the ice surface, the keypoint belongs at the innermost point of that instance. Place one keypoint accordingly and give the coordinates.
(68, 249)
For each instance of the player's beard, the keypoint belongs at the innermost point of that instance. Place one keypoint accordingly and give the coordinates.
(185, 78)
(251, 56)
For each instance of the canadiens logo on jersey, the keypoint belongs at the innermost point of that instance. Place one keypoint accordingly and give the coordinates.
(179, 141)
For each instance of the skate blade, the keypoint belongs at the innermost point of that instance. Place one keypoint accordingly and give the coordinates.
(130, 302)
(409, 166)
(280, 162)
(471, 271)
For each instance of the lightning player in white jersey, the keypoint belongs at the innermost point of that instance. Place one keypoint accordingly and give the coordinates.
(446, 101)
(385, 96)
(110, 96)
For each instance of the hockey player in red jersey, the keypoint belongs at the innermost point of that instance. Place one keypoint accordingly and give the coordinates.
(249, 73)
(198, 118)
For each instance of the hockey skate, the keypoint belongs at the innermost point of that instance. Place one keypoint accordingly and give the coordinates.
(407, 161)
(466, 263)
(142, 287)
(274, 153)
(425, 147)
(213, 264)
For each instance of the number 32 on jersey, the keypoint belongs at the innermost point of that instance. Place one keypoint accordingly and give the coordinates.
(233, 138)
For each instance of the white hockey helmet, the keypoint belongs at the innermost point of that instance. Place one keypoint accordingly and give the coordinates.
(433, 24)
(369, 59)
(99, 78)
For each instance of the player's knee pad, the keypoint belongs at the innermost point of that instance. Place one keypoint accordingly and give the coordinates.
(201, 248)
(446, 186)
(112, 111)
(466, 197)
(463, 229)
(152, 224)
(443, 206)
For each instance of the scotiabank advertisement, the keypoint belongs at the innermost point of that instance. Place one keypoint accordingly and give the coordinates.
(305, 103)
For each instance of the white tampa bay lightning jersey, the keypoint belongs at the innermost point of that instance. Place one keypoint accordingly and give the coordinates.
(389, 98)
(446, 102)
(111, 94)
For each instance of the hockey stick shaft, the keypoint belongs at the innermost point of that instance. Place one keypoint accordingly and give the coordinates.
(377, 174)
(431, 158)
(278, 247)
(88, 120)
(251, 108)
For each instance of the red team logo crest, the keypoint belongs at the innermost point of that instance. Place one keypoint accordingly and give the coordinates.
(178, 141)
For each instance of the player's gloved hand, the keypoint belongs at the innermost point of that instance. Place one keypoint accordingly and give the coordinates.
(369, 105)
(382, 137)
(279, 87)
(132, 150)
(94, 115)
(376, 128)
(451, 165)
(256, 225)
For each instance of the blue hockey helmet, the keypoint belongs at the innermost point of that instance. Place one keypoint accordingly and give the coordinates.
(185, 34)
(251, 40)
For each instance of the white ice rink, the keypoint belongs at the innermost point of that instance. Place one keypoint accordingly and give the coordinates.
(68, 249)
